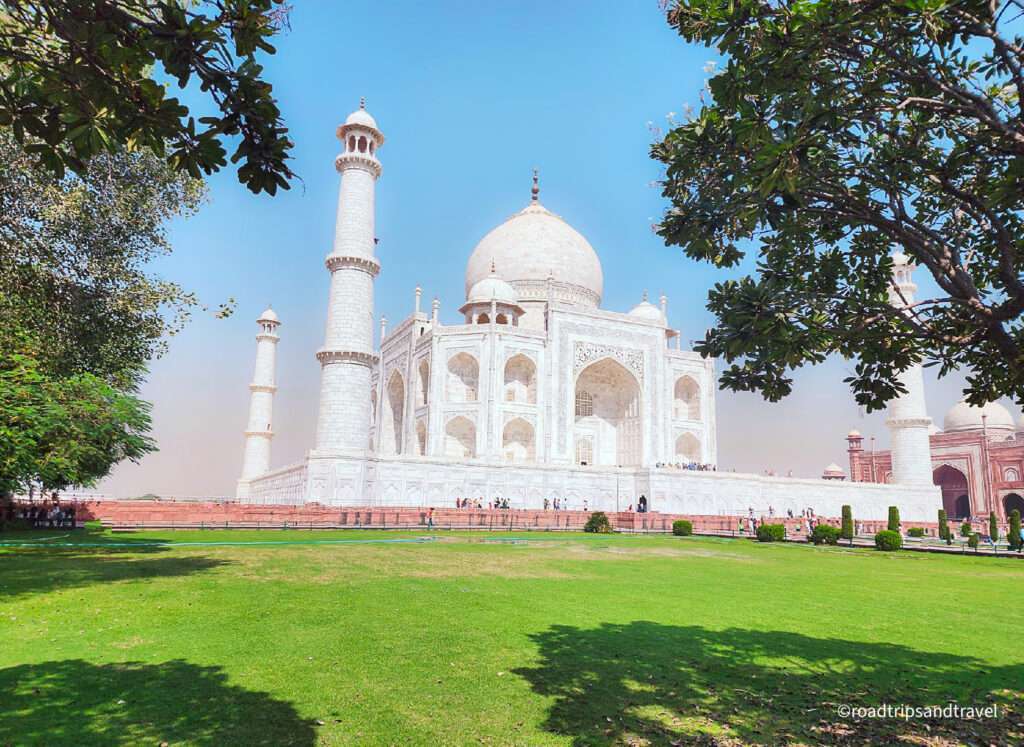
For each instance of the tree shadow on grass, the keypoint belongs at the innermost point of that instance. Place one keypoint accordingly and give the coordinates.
(75, 702)
(46, 570)
(648, 683)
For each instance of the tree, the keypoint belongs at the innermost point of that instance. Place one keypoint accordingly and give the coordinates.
(63, 430)
(73, 256)
(993, 527)
(944, 533)
(846, 529)
(837, 131)
(894, 519)
(1014, 537)
(77, 80)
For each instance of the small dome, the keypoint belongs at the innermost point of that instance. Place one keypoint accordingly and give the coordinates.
(853, 434)
(648, 311)
(361, 117)
(965, 417)
(833, 470)
(492, 288)
(268, 315)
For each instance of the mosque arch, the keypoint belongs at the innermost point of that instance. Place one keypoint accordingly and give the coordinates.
(394, 415)
(955, 493)
(501, 319)
(362, 143)
(687, 398)
(421, 437)
(520, 380)
(1012, 501)
(483, 319)
(688, 448)
(460, 438)
(614, 423)
(423, 383)
(463, 378)
(1011, 474)
(518, 441)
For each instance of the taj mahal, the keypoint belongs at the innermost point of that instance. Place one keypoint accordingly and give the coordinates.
(536, 393)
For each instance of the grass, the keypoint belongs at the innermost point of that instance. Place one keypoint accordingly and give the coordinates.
(147, 638)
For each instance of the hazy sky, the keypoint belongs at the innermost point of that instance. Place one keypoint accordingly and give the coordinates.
(471, 97)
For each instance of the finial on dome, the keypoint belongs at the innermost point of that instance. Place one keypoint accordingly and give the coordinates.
(362, 102)
(535, 189)
(494, 270)
(644, 299)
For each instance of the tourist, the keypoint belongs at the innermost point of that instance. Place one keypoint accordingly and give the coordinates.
(585, 505)
(430, 519)
(642, 504)
(630, 509)
(545, 504)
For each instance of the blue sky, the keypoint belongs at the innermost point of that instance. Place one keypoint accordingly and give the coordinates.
(471, 97)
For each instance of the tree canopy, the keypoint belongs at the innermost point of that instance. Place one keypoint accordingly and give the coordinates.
(81, 314)
(77, 79)
(836, 132)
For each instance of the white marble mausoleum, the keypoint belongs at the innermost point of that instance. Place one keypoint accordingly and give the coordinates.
(536, 393)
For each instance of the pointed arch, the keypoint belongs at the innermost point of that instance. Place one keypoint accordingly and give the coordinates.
(688, 448)
(394, 415)
(1010, 502)
(421, 437)
(460, 438)
(423, 383)
(463, 378)
(520, 379)
(614, 424)
(687, 398)
(955, 493)
(518, 441)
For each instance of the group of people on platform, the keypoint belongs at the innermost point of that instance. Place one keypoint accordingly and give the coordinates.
(39, 515)
(695, 466)
(557, 504)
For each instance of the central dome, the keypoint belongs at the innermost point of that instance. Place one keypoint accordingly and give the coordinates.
(965, 417)
(531, 246)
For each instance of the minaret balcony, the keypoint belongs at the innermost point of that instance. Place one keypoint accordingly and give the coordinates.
(369, 265)
(357, 160)
(327, 357)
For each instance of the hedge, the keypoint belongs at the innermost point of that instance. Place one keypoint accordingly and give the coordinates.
(682, 528)
(888, 540)
(824, 534)
(771, 532)
(598, 523)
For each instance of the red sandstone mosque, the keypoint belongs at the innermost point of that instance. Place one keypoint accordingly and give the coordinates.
(977, 461)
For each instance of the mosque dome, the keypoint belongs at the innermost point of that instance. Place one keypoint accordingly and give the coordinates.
(492, 288)
(853, 434)
(268, 315)
(648, 311)
(966, 417)
(833, 471)
(533, 245)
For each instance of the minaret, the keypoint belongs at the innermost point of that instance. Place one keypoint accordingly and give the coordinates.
(347, 357)
(259, 431)
(908, 419)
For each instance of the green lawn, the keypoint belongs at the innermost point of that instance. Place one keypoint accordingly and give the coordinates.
(559, 639)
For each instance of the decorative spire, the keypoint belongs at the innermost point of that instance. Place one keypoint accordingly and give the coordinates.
(644, 299)
(494, 270)
(362, 102)
(535, 189)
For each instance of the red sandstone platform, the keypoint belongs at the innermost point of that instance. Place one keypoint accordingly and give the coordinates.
(217, 515)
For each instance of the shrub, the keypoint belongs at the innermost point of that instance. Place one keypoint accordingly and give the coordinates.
(944, 526)
(993, 527)
(1014, 537)
(771, 532)
(888, 540)
(598, 523)
(966, 530)
(846, 532)
(972, 541)
(915, 532)
(825, 534)
(894, 519)
(682, 528)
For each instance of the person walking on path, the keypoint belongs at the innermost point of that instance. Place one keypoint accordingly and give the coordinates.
(430, 519)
